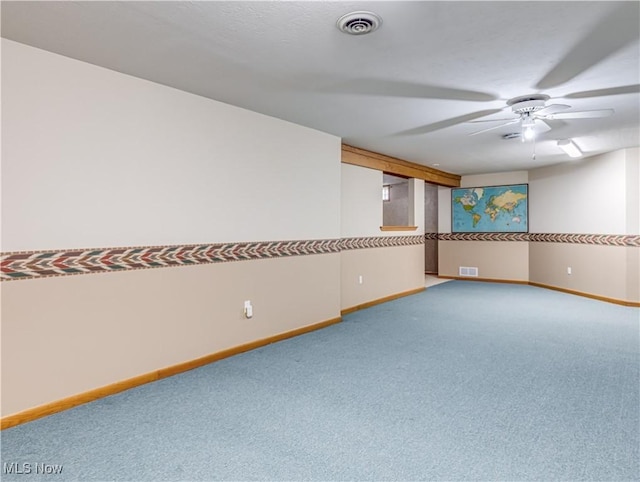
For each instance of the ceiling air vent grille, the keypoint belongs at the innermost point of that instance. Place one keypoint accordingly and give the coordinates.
(359, 23)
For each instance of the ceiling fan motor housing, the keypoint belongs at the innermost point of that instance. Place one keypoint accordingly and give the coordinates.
(528, 103)
(528, 106)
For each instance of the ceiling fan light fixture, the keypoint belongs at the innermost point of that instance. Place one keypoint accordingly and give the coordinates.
(570, 148)
(528, 123)
(528, 134)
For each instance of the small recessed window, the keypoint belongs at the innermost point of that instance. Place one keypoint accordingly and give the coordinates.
(386, 193)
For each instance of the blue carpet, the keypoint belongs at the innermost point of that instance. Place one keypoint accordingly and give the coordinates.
(466, 381)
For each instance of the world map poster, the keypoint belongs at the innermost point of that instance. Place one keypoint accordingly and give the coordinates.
(492, 209)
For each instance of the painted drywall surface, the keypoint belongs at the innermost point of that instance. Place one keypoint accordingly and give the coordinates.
(633, 274)
(95, 158)
(597, 270)
(494, 179)
(361, 201)
(633, 222)
(63, 336)
(444, 209)
(632, 171)
(384, 272)
(596, 195)
(416, 204)
(430, 226)
(362, 205)
(585, 196)
(495, 260)
(92, 158)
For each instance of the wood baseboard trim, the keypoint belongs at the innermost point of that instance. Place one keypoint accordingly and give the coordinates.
(488, 280)
(369, 304)
(56, 406)
(633, 304)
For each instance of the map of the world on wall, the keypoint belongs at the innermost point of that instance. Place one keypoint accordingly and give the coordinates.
(493, 209)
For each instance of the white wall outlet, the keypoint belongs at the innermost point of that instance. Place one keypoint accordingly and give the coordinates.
(248, 309)
(360, 280)
(569, 270)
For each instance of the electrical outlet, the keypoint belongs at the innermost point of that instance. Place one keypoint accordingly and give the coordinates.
(360, 279)
(248, 309)
(569, 270)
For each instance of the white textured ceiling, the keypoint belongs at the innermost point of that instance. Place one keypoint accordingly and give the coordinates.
(405, 90)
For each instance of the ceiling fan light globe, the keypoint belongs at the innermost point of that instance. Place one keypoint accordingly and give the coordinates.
(528, 134)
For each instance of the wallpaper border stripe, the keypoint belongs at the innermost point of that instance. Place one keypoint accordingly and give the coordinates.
(49, 263)
(632, 240)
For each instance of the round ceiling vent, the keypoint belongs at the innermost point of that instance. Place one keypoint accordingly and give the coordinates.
(359, 23)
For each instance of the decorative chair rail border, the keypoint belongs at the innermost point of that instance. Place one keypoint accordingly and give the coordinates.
(632, 240)
(42, 264)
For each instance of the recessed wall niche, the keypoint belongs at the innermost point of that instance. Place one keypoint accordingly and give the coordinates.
(395, 211)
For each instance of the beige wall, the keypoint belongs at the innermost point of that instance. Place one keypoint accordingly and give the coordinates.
(64, 336)
(596, 270)
(597, 195)
(633, 274)
(95, 159)
(92, 158)
(361, 201)
(494, 259)
(384, 271)
(388, 270)
(584, 196)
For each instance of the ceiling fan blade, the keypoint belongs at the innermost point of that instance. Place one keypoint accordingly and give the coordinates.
(541, 126)
(394, 88)
(550, 109)
(447, 123)
(584, 114)
(625, 89)
(514, 121)
(504, 119)
(615, 31)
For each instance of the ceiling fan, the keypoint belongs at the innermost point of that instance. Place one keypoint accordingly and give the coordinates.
(615, 31)
(533, 113)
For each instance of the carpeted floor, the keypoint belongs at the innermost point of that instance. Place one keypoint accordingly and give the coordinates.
(465, 381)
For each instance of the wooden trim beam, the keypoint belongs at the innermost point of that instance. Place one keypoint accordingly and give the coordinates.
(73, 401)
(398, 228)
(392, 165)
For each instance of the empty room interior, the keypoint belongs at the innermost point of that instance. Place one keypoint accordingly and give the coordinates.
(377, 240)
